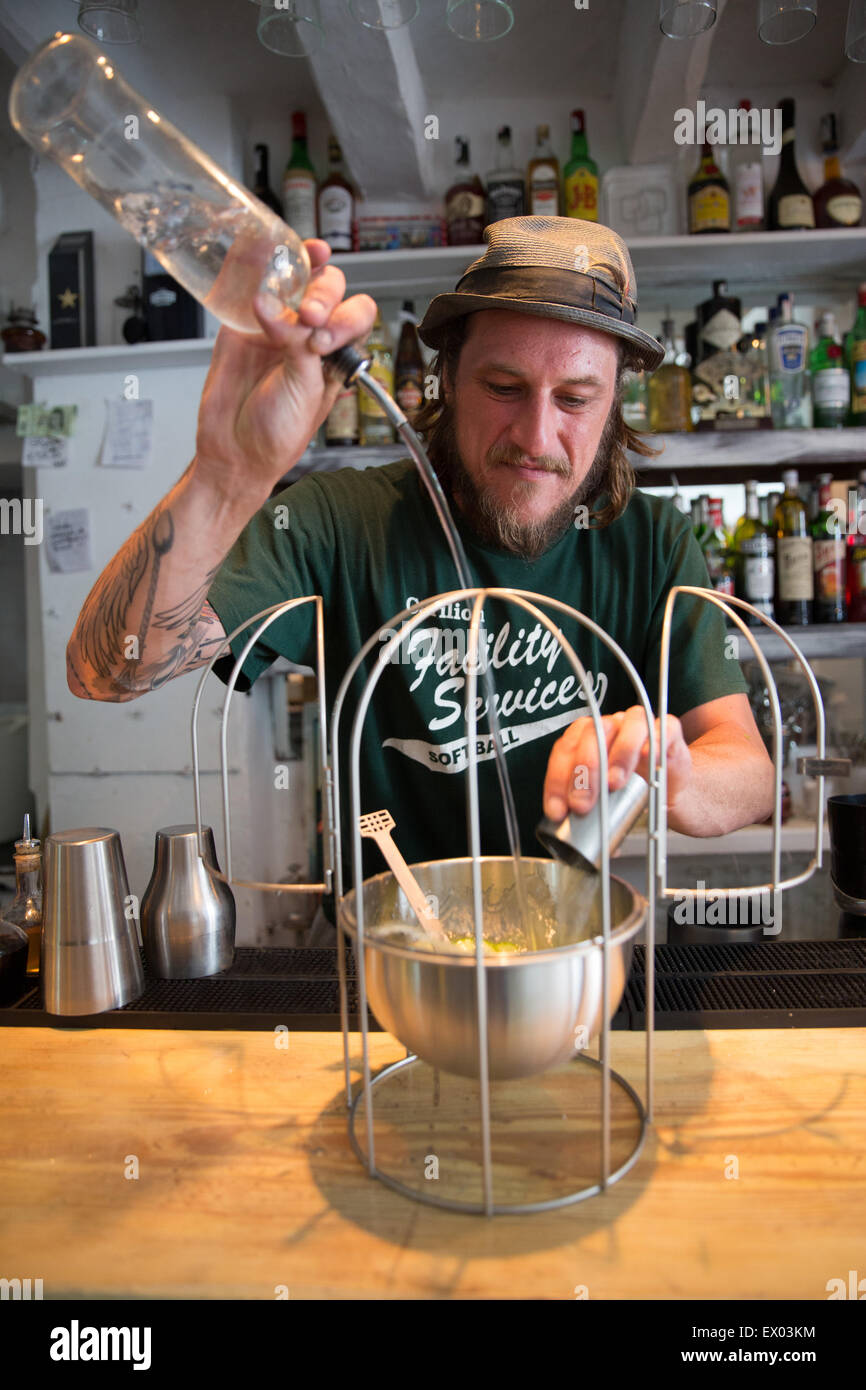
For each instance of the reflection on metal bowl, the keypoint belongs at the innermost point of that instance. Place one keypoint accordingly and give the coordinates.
(536, 1000)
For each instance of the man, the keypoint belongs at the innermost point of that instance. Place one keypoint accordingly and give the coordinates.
(528, 440)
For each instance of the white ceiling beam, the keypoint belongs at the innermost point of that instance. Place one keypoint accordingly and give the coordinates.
(656, 76)
(373, 93)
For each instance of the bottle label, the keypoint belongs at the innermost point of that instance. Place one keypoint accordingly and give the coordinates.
(581, 195)
(722, 331)
(829, 562)
(750, 195)
(796, 578)
(299, 204)
(545, 193)
(788, 348)
(845, 208)
(505, 199)
(335, 217)
(710, 210)
(409, 395)
(758, 574)
(381, 372)
(464, 204)
(796, 210)
(342, 423)
(831, 388)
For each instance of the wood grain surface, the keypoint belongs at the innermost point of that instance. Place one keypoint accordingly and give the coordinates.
(752, 1182)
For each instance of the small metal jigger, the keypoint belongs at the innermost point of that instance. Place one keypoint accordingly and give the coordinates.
(577, 839)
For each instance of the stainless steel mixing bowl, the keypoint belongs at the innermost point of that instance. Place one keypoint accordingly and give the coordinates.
(536, 1001)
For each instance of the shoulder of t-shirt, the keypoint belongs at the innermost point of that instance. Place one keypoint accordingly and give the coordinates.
(649, 518)
(380, 485)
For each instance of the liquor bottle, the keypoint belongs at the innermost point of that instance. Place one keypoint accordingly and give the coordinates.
(788, 354)
(697, 511)
(718, 319)
(857, 360)
(670, 390)
(409, 364)
(25, 910)
(262, 182)
(837, 201)
(375, 425)
(542, 178)
(855, 560)
(790, 207)
(336, 202)
(299, 183)
(754, 558)
(635, 400)
(754, 376)
(464, 201)
(747, 185)
(714, 544)
(580, 175)
(709, 198)
(795, 585)
(828, 558)
(342, 427)
(506, 190)
(831, 382)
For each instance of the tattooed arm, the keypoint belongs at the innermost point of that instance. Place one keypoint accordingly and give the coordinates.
(147, 618)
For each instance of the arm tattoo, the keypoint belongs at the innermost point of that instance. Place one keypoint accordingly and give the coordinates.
(104, 621)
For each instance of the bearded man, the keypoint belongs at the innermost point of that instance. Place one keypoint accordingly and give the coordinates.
(524, 428)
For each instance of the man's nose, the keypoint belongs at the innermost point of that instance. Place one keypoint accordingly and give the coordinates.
(533, 428)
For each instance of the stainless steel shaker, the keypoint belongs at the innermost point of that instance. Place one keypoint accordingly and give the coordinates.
(187, 914)
(90, 953)
(577, 840)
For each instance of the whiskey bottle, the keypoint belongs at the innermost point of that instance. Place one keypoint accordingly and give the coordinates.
(790, 207)
(795, 584)
(299, 183)
(837, 201)
(542, 177)
(670, 390)
(464, 201)
(336, 202)
(754, 558)
(580, 175)
(828, 558)
(262, 182)
(709, 198)
(506, 190)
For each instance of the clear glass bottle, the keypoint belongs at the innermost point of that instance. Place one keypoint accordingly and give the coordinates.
(754, 557)
(670, 390)
(212, 235)
(25, 910)
(376, 428)
(795, 583)
(831, 382)
(788, 356)
(828, 558)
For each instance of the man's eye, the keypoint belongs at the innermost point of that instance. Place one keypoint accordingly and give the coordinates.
(573, 400)
(501, 390)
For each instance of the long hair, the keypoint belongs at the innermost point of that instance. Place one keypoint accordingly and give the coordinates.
(435, 421)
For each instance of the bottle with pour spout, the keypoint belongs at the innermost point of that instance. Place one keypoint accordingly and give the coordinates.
(25, 911)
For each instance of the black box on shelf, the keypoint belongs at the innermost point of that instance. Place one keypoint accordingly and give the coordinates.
(169, 309)
(70, 291)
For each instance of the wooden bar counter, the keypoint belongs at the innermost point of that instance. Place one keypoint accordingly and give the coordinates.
(196, 1165)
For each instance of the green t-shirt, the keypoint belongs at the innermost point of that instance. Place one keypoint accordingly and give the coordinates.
(369, 542)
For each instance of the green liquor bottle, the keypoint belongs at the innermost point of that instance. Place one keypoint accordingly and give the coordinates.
(831, 382)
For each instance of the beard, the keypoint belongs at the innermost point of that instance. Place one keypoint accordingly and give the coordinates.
(501, 523)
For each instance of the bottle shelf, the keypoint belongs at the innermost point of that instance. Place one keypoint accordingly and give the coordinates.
(719, 449)
(816, 641)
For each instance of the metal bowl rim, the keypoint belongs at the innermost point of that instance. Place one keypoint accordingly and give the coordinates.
(618, 937)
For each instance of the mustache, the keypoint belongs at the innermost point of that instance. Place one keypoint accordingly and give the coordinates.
(509, 455)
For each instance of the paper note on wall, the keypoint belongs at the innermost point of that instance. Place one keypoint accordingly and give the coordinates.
(67, 541)
(45, 451)
(129, 434)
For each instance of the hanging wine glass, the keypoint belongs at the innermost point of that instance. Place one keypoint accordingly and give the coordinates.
(383, 14)
(292, 28)
(479, 20)
(785, 21)
(683, 19)
(110, 21)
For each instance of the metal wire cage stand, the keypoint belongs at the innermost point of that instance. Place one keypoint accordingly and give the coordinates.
(410, 619)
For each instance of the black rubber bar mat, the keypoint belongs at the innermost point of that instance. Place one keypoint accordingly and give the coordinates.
(773, 984)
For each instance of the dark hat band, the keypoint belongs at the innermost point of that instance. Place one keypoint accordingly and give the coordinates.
(572, 289)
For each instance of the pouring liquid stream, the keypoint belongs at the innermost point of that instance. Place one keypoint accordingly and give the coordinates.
(528, 920)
